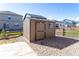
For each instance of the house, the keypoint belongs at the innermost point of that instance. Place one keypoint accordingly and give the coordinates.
(69, 23)
(12, 20)
(77, 23)
(36, 27)
(59, 25)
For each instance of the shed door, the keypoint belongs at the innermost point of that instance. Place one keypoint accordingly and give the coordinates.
(40, 30)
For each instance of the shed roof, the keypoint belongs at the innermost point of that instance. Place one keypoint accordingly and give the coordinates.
(9, 12)
(47, 20)
(34, 16)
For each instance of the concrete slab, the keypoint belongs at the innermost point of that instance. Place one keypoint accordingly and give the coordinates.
(22, 39)
(16, 49)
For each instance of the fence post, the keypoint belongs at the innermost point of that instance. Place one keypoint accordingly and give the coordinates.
(4, 30)
(0, 31)
(63, 31)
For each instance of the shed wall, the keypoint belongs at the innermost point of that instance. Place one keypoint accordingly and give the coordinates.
(26, 29)
(50, 32)
(31, 31)
(32, 37)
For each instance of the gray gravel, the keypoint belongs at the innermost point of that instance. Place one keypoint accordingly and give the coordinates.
(58, 46)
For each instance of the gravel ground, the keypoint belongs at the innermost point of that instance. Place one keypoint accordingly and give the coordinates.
(58, 46)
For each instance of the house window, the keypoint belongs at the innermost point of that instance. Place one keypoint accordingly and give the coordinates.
(9, 17)
(7, 25)
(51, 25)
(57, 26)
(60, 24)
(16, 24)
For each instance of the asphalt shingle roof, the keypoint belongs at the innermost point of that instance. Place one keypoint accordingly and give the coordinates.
(34, 16)
(9, 12)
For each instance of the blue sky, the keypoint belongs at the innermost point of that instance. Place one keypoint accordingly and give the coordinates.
(57, 11)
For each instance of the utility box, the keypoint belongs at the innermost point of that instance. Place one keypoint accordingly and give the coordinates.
(38, 29)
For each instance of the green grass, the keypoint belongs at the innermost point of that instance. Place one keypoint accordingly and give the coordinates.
(73, 33)
(14, 33)
(12, 40)
(10, 33)
(70, 33)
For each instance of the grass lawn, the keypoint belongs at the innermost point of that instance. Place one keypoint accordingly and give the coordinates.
(12, 40)
(73, 33)
(14, 33)
(69, 33)
(10, 33)
(8, 41)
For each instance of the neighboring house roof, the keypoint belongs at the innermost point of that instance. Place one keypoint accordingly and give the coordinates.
(69, 22)
(34, 16)
(9, 12)
(77, 22)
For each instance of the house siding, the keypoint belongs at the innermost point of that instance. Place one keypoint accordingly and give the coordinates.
(11, 22)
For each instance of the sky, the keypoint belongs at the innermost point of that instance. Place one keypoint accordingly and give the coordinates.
(53, 11)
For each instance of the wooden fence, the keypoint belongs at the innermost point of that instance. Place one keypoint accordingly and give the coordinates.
(72, 28)
(61, 32)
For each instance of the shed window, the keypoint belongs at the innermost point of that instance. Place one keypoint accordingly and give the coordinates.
(51, 25)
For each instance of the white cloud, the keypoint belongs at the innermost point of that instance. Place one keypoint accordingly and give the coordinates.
(50, 17)
(76, 19)
(73, 19)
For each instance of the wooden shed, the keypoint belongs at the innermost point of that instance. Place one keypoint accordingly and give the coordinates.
(38, 28)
